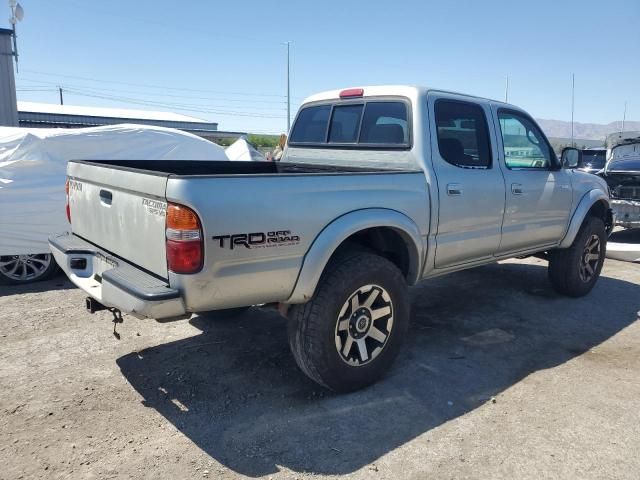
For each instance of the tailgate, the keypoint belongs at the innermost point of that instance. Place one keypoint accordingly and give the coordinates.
(121, 211)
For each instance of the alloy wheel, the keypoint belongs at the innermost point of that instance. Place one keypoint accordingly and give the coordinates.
(24, 267)
(590, 258)
(364, 325)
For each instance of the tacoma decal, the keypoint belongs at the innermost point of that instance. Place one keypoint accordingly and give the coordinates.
(74, 185)
(155, 207)
(278, 238)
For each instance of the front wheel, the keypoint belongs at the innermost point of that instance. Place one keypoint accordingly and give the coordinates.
(350, 332)
(574, 271)
(20, 269)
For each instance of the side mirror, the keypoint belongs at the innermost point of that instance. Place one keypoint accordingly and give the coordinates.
(570, 157)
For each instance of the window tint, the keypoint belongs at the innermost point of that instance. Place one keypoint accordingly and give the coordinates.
(311, 125)
(524, 144)
(385, 123)
(463, 138)
(345, 124)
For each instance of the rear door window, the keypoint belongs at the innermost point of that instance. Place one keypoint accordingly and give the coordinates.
(463, 135)
(385, 123)
(345, 123)
(311, 125)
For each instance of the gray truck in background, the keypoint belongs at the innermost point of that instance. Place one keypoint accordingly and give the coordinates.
(378, 188)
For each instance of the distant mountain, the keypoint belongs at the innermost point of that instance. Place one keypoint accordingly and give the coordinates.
(584, 131)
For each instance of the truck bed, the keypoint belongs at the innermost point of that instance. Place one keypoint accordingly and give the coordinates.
(211, 168)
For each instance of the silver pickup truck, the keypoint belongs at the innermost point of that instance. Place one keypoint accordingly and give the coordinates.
(378, 188)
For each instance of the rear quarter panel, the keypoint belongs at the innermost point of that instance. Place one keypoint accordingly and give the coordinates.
(302, 205)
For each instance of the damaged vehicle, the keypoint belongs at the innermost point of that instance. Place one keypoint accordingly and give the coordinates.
(620, 169)
(622, 174)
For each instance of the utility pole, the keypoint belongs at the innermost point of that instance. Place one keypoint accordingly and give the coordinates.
(288, 88)
(624, 116)
(573, 89)
(506, 90)
(17, 14)
(60, 91)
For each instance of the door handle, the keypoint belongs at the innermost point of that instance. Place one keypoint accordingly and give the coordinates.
(106, 197)
(454, 189)
(516, 189)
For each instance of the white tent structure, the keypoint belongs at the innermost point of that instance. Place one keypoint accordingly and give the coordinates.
(243, 151)
(33, 165)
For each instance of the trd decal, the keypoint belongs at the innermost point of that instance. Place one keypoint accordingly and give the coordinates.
(279, 238)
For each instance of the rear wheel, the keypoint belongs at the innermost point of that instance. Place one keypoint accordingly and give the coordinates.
(19, 269)
(575, 270)
(350, 332)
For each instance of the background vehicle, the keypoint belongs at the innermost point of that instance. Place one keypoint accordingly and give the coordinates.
(619, 165)
(378, 188)
(33, 164)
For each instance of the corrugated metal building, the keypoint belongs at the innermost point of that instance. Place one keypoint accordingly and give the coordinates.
(45, 115)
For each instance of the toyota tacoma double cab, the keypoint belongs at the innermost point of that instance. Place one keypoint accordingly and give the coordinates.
(378, 188)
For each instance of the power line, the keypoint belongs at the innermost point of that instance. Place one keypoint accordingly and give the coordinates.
(137, 92)
(162, 87)
(183, 107)
(265, 112)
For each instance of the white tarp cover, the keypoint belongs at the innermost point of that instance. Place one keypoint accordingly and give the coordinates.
(243, 151)
(33, 164)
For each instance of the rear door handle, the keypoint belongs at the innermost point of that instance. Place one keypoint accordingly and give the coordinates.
(516, 189)
(454, 189)
(106, 197)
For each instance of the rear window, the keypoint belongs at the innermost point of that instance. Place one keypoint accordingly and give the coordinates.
(385, 123)
(371, 124)
(311, 125)
(344, 123)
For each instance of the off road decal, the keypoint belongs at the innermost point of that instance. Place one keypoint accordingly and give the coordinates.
(279, 238)
(155, 207)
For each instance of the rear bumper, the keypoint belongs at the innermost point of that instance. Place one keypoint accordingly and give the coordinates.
(626, 213)
(114, 282)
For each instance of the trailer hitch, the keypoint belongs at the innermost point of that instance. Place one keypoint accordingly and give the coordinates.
(117, 318)
(94, 306)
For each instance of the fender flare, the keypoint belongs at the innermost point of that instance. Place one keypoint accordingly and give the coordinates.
(588, 200)
(336, 232)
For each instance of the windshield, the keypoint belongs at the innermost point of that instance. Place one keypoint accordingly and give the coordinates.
(593, 159)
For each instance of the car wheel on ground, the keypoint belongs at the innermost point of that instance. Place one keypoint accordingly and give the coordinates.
(350, 332)
(19, 269)
(575, 270)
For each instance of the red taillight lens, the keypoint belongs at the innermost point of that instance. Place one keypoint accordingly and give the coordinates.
(184, 257)
(185, 251)
(66, 189)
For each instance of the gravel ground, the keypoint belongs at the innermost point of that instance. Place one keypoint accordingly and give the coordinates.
(500, 378)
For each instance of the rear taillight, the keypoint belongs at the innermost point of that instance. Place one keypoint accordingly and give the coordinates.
(66, 189)
(185, 251)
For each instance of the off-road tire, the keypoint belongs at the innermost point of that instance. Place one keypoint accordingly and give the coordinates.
(565, 264)
(313, 326)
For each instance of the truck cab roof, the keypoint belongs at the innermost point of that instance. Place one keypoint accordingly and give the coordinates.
(412, 92)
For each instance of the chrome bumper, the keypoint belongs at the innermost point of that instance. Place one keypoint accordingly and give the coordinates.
(114, 282)
(626, 213)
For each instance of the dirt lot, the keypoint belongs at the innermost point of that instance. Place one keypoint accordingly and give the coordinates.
(501, 378)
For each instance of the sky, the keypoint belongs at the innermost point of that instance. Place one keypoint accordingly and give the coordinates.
(226, 61)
